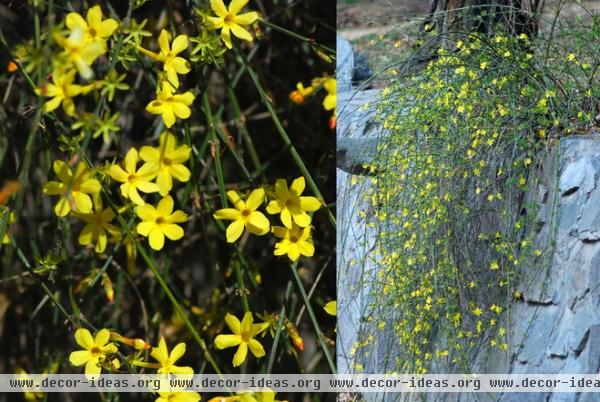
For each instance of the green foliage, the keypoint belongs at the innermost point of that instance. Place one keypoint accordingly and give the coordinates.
(465, 139)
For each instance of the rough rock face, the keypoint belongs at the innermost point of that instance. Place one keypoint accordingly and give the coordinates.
(558, 322)
(357, 135)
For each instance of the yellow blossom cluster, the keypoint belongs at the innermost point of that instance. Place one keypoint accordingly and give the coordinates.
(288, 203)
(79, 192)
(84, 42)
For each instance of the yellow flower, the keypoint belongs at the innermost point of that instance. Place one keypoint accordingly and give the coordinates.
(61, 90)
(171, 105)
(74, 189)
(172, 64)
(168, 160)
(160, 222)
(98, 227)
(79, 52)
(95, 350)
(329, 103)
(243, 335)
(291, 205)
(167, 360)
(244, 215)
(229, 21)
(178, 397)
(94, 28)
(331, 308)
(133, 179)
(295, 241)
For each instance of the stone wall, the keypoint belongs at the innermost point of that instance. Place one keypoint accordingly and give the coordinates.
(554, 327)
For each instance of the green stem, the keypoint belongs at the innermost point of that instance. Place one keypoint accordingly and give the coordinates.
(313, 318)
(297, 36)
(282, 313)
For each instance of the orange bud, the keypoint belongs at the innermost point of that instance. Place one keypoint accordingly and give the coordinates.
(140, 344)
(11, 67)
(108, 287)
(297, 97)
(332, 122)
(8, 189)
(293, 333)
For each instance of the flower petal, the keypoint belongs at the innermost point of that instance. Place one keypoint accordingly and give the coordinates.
(306, 248)
(131, 159)
(147, 186)
(273, 207)
(102, 337)
(144, 228)
(302, 219)
(117, 173)
(84, 338)
(279, 231)
(146, 212)
(233, 323)
(163, 41)
(177, 352)
(286, 218)
(107, 28)
(234, 230)
(310, 204)
(255, 198)
(92, 367)
(87, 234)
(172, 231)
(168, 117)
(247, 322)
(160, 353)
(83, 202)
(79, 357)
(256, 348)
(165, 206)
(227, 341)
(180, 172)
(181, 110)
(236, 6)
(298, 185)
(164, 182)
(150, 154)
(246, 18)
(214, 22)
(179, 44)
(228, 214)
(156, 239)
(62, 207)
(90, 186)
(218, 7)
(134, 196)
(258, 224)
(177, 217)
(75, 20)
(240, 32)
(226, 36)
(293, 252)
(240, 355)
